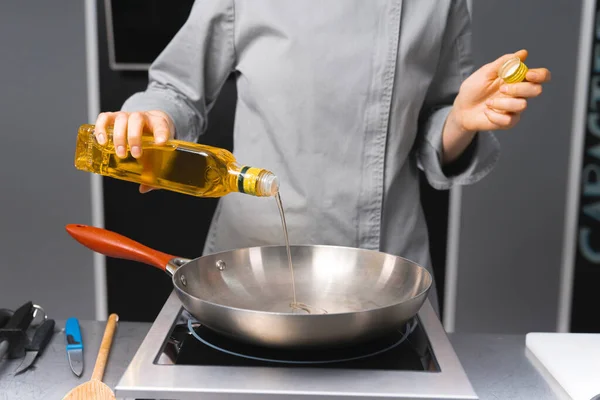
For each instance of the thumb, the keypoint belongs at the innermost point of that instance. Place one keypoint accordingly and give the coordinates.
(491, 69)
(146, 189)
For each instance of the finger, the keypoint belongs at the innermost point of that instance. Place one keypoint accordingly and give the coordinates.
(538, 75)
(491, 69)
(104, 119)
(135, 126)
(522, 89)
(119, 134)
(507, 104)
(502, 120)
(522, 54)
(146, 188)
(160, 128)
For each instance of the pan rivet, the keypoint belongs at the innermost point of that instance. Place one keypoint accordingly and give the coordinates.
(183, 280)
(221, 265)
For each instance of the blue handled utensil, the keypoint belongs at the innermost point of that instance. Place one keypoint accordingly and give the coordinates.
(74, 346)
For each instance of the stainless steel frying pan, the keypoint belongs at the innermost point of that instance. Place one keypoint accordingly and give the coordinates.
(352, 295)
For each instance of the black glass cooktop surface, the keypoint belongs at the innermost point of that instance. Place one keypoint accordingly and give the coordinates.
(191, 343)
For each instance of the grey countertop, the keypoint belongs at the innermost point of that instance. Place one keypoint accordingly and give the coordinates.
(50, 377)
(496, 365)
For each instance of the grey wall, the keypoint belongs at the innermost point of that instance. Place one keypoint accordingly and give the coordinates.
(512, 222)
(43, 99)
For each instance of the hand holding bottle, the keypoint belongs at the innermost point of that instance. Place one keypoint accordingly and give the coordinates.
(128, 129)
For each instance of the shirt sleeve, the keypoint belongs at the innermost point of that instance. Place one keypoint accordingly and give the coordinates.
(455, 65)
(187, 77)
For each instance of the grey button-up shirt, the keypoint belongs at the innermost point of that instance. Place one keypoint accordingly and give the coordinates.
(343, 99)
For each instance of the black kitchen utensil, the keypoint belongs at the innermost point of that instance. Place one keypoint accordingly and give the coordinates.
(13, 336)
(38, 343)
(5, 315)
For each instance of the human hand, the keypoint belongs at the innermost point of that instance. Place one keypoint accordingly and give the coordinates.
(128, 129)
(486, 102)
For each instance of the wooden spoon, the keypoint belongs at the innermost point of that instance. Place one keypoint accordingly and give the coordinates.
(95, 389)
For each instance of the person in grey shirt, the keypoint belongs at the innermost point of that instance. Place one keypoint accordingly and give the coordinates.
(345, 100)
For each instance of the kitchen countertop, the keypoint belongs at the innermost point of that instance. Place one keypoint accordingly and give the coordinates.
(50, 376)
(497, 365)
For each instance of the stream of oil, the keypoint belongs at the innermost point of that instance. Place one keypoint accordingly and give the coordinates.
(294, 305)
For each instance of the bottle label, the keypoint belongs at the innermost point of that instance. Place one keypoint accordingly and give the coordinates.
(247, 180)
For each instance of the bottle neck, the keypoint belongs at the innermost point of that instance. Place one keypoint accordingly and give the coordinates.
(253, 181)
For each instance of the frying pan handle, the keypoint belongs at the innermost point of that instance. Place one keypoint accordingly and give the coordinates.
(112, 244)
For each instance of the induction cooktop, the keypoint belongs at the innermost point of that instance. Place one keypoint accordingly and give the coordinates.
(182, 359)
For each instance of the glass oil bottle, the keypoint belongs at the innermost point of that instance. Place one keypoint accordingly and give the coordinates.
(183, 167)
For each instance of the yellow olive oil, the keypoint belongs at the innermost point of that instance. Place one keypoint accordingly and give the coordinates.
(183, 167)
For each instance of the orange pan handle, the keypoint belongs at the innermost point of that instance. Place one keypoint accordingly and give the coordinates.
(113, 245)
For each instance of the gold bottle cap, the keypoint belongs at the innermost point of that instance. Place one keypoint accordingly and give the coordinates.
(513, 70)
